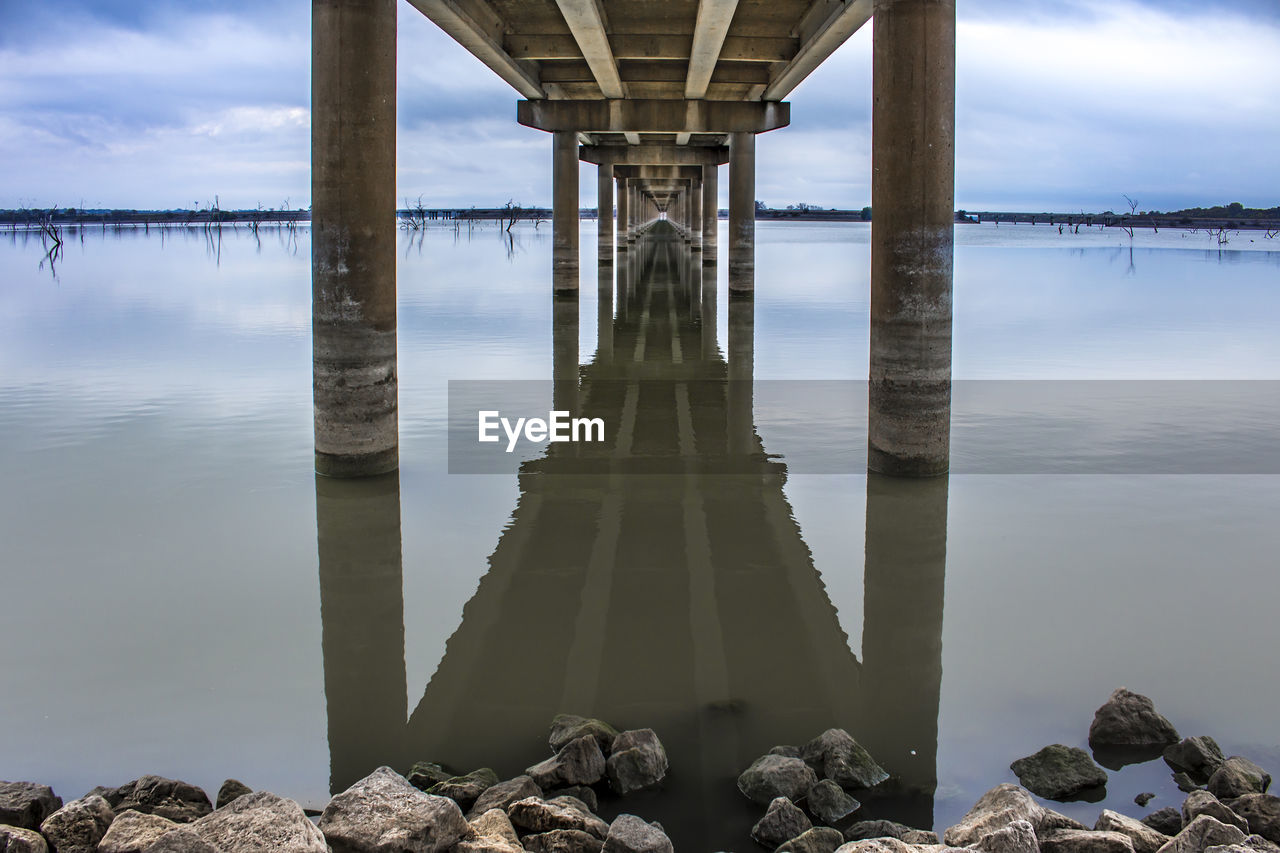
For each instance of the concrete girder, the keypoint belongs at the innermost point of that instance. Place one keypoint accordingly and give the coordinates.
(709, 34)
(586, 21)
(655, 155)
(654, 116)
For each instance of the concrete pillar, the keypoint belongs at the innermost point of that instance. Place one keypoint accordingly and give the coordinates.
(742, 212)
(710, 212)
(710, 348)
(913, 199)
(741, 403)
(624, 214)
(634, 221)
(565, 220)
(353, 236)
(695, 215)
(564, 352)
(604, 314)
(604, 213)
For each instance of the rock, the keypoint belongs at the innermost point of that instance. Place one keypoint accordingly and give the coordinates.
(835, 755)
(1130, 719)
(1258, 844)
(26, 804)
(537, 815)
(182, 840)
(1145, 839)
(424, 774)
(887, 844)
(782, 822)
(1084, 841)
(230, 790)
(571, 802)
(865, 829)
(630, 834)
(503, 794)
(383, 812)
(563, 841)
(1167, 821)
(637, 761)
(998, 808)
(1017, 837)
(465, 790)
(1201, 833)
(829, 803)
(1059, 772)
(493, 833)
(1238, 776)
(134, 832)
(579, 762)
(18, 839)
(1144, 798)
(263, 821)
(1185, 783)
(174, 799)
(1198, 757)
(820, 839)
(788, 751)
(579, 792)
(568, 727)
(1262, 811)
(920, 838)
(1203, 802)
(78, 826)
(772, 776)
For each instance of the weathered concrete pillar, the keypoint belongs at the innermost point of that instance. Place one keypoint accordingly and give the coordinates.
(353, 236)
(742, 212)
(695, 215)
(710, 212)
(741, 396)
(565, 219)
(913, 199)
(634, 222)
(710, 347)
(624, 214)
(604, 314)
(604, 213)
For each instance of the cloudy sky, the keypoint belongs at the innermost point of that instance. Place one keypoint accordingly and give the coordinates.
(1061, 104)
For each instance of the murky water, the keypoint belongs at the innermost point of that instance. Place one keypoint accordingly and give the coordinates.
(182, 596)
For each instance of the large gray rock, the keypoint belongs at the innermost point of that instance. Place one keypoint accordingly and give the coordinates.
(1144, 838)
(1017, 837)
(829, 803)
(1200, 834)
(820, 839)
(835, 755)
(782, 821)
(567, 727)
(230, 790)
(887, 844)
(1203, 802)
(579, 792)
(1238, 776)
(262, 821)
(631, 834)
(134, 832)
(1130, 719)
(1258, 844)
(1058, 772)
(426, 774)
(1198, 757)
(1185, 783)
(921, 838)
(503, 794)
(637, 761)
(78, 826)
(174, 799)
(773, 776)
(998, 808)
(383, 813)
(533, 814)
(18, 839)
(182, 840)
(26, 804)
(1262, 811)
(1167, 821)
(579, 762)
(865, 829)
(464, 790)
(563, 841)
(493, 833)
(1084, 841)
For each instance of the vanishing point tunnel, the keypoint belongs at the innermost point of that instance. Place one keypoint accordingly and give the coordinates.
(659, 95)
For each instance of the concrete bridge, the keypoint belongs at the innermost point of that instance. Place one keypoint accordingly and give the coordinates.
(659, 94)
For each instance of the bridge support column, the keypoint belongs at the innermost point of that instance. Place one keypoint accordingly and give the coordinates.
(624, 214)
(742, 212)
(710, 212)
(742, 333)
(634, 191)
(913, 199)
(695, 215)
(565, 219)
(604, 213)
(353, 234)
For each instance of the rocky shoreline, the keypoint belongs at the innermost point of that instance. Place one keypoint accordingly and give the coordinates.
(806, 794)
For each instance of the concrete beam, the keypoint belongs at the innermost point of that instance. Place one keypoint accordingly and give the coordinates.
(654, 116)
(675, 47)
(632, 138)
(655, 155)
(476, 27)
(586, 21)
(826, 26)
(714, 17)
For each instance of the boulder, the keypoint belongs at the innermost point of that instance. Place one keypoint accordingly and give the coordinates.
(579, 792)
(887, 844)
(1203, 802)
(568, 727)
(637, 761)
(1144, 798)
(134, 832)
(1017, 837)
(1059, 772)
(262, 821)
(1198, 757)
(1202, 833)
(26, 804)
(998, 808)
(465, 790)
(772, 776)
(920, 838)
(1238, 776)
(783, 821)
(820, 839)
(865, 829)
(1167, 821)
(425, 774)
(18, 839)
(503, 794)
(563, 841)
(828, 802)
(1258, 844)
(630, 834)
(78, 826)
(579, 762)
(1185, 783)
(493, 833)
(1130, 719)
(182, 840)
(1145, 839)
(788, 751)
(1084, 841)
(1262, 811)
(533, 814)
(174, 799)
(230, 790)
(383, 812)
(835, 755)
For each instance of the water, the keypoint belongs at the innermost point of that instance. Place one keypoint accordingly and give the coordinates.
(182, 596)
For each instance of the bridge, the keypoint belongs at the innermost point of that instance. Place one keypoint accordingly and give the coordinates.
(659, 95)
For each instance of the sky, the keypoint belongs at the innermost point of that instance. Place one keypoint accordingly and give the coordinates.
(1062, 105)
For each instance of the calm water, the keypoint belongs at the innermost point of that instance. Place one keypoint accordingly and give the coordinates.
(182, 596)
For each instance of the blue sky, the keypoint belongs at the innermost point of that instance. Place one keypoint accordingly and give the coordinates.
(1061, 104)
